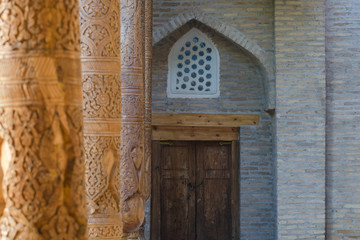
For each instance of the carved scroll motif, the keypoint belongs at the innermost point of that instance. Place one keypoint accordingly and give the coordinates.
(100, 46)
(133, 110)
(41, 121)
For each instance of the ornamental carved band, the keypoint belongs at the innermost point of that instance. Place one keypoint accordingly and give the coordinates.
(100, 57)
(132, 103)
(41, 121)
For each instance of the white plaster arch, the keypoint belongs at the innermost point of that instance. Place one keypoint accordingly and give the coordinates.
(264, 59)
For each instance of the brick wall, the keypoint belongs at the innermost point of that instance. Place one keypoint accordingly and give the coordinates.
(316, 144)
(300, 121)
(252, 17)
(343, 119)
(241, 92)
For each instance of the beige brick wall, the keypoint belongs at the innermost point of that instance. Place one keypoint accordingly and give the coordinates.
(300, 120)
(316, 160)
(241, 92)
(343, 119)
(253, 17)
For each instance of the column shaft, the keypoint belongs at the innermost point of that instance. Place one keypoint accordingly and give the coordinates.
(146, 188)
(132, 101)
(41, 121)
(100, 43)
(145, 178)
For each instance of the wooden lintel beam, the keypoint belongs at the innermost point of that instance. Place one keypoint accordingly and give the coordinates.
(204, 120)
(195, 133)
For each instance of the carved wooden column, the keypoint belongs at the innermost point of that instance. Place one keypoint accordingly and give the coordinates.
(100, 43)
(145, 177)
(132, 101)
(148, 96)
(41, 121)
(146, 25)
(2, 200)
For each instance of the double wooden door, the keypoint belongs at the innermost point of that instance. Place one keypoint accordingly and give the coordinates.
(194, 190)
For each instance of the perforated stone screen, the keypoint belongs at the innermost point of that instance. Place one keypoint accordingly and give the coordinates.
(193, 67)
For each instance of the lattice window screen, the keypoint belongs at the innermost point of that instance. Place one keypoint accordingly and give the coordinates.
(193, 67)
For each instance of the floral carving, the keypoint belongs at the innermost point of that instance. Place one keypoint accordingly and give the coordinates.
(105, 231)
(107, 203)
(131, 33)
(41, 121)
(96, 176)
(28, 25)
(40, 153)
(133, 105)
(101, 95)
(100, 28)
(85, 49)
(132, 101)
(65, 226)
(97, 8)
(96, 33)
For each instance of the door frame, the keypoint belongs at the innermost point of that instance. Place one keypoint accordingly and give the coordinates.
(200, 127)
(155, 230)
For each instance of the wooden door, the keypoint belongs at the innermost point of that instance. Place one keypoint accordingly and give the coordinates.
(194, 190)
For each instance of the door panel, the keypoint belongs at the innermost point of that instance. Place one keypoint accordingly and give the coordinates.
(174, 209)
(215, 156)
(192, 191)
(173, 201)
(175, 157)
(213, 172)
(214, 216)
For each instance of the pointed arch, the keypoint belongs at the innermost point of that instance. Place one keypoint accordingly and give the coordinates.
(264, 59)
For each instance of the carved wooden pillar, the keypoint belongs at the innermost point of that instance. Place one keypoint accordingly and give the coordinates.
(146, 187)
(41, 121)
(146, 25)
(100, 43)
(2, 200)
(132, 101)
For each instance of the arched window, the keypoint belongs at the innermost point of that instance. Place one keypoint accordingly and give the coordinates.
(193, 67)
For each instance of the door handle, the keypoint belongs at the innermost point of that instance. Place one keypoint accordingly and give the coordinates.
(192, 187)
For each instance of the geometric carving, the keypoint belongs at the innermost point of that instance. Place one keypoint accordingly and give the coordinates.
(100, 57)
(193, 65)
(133, 110)
(41, 121)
